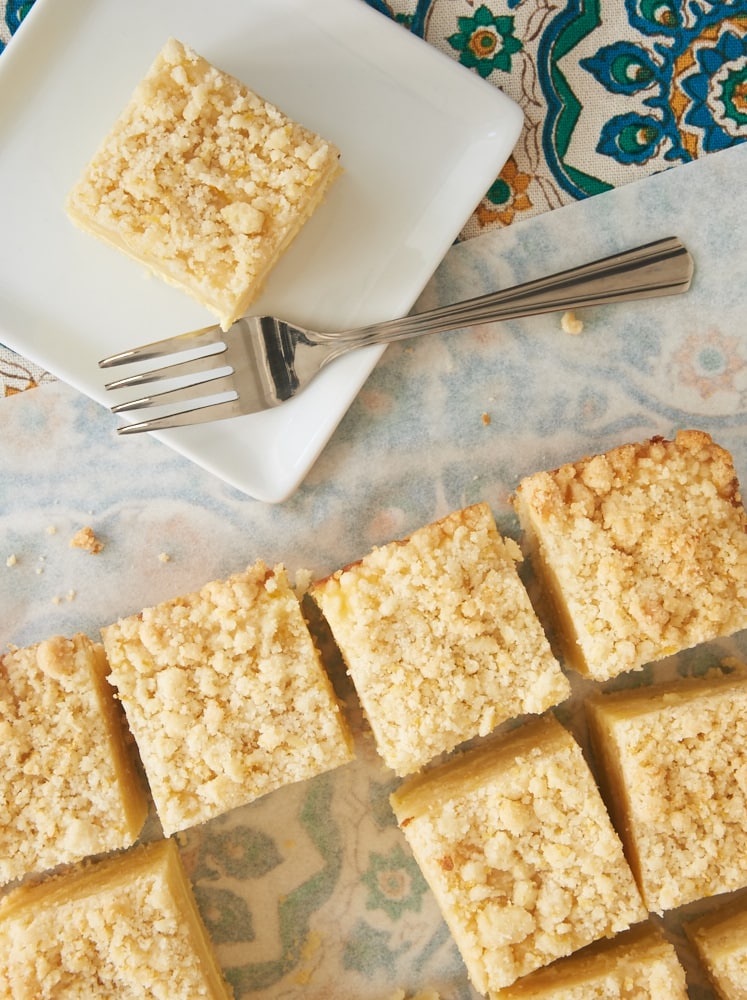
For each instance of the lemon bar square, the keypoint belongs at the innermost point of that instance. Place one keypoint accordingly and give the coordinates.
(203, 181)
(226, 696)
(440, 638)
(720, 940)
(673, 762)
(124, 926)
(635, 965)
(514, 840)
(642, 550)
(69, 784)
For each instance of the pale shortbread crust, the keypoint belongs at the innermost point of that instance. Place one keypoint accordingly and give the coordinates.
(673, 761)
(720, 939)
(127, 926)
(637, 964)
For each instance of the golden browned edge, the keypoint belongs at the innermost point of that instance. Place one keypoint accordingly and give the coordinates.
(135, 801)
(640, 945)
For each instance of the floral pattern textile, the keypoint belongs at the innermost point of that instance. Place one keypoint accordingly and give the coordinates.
(612, 90)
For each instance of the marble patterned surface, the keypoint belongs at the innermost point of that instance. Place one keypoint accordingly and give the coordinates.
(311, 892)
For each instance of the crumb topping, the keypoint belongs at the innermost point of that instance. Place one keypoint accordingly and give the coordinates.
(128, 938)
(684, 816)
(524, 860)
(225, 695)
(203, 181)
(86, 539)
(440, 638)
(64, 795)
(644, 548)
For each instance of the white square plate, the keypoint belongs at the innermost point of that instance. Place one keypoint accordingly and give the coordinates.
(422, 139)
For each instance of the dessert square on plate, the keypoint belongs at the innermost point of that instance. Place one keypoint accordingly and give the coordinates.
(422, 138)
(203, 181)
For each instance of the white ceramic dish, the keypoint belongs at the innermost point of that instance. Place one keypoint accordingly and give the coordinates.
(422, 140)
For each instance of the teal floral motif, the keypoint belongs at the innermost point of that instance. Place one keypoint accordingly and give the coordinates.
(623, 68)
(394, 882)
(631, 138)
(486, 41)
(693, 81)
(718, 91)
(226, 915)
(241, 853)
(367, 950)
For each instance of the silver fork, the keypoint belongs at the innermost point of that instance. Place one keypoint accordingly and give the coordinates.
(271, 361)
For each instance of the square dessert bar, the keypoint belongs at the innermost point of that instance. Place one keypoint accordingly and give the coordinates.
(720, 940)
(637, 963)
(225, 695)
(517, 846)
(642, 550)
(203, 181)
(69, 786)
(440, 638)
(124, 926)
(673, 764)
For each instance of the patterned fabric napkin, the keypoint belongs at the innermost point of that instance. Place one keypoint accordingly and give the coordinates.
(612, 91)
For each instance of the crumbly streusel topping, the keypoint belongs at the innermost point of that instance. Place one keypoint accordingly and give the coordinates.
(526, 864)
(203, 180)
(440, 638)
(60, 791)
(647, 548)
(683, 764)
(225, 695)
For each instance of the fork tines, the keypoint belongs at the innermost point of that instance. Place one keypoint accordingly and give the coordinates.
(196, 392)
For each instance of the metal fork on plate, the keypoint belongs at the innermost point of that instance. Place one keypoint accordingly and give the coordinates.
(270, 360)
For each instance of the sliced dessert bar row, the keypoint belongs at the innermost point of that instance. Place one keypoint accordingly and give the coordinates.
(225, 695)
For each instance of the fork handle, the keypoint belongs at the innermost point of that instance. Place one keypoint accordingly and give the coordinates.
(663, 267)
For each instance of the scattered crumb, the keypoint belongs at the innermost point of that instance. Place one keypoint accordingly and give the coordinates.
(39, 570)
(12, 560)
(164, 557)
(570, 323)
(86, 539)
(70, 596)
(302, 581)
(51, 530)
(486, 419)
